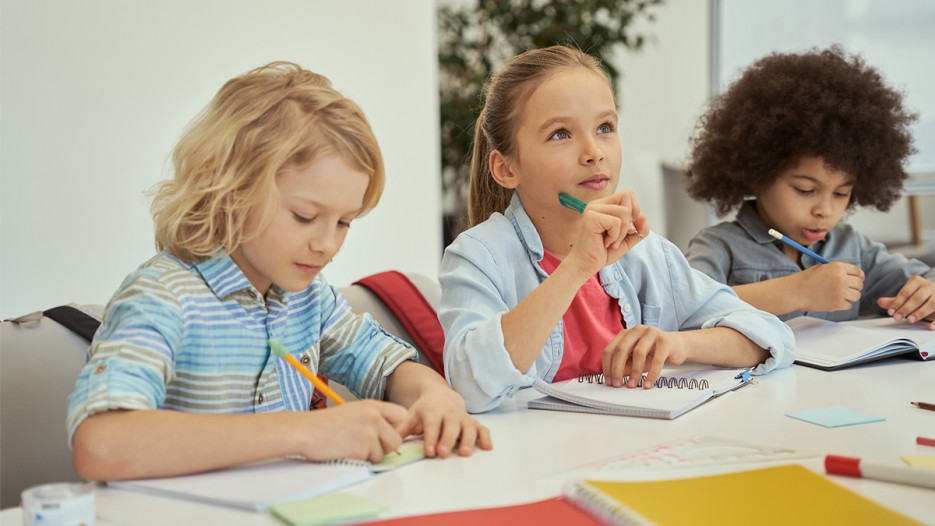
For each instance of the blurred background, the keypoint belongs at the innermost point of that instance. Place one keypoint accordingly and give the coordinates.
(94, 95)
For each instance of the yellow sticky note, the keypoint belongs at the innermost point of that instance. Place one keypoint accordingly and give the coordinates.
(327, 509)
(408, 452)
(920, 461)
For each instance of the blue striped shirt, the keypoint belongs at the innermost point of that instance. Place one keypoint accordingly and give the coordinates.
(194, 337)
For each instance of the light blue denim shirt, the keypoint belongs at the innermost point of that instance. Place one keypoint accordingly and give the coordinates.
(490, 268)
(741, 251)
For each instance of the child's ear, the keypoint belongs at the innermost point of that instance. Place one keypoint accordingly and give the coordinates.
(501, 171)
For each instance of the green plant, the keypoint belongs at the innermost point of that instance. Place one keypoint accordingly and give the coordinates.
(474, 42)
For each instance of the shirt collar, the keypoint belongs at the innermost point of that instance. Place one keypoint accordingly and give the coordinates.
(752, 223)
(525, 230)
(224, 277)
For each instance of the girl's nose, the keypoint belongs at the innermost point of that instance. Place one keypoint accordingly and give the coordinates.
(592, 153)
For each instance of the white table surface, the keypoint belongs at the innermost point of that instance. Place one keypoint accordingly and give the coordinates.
(534, 451)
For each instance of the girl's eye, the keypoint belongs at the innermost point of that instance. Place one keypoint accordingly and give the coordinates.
(559, 135)
(344, 224)
(302, 219)
(607, 127)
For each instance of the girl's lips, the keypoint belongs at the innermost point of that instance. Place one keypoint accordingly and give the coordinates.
(815, 235)
(596, 183)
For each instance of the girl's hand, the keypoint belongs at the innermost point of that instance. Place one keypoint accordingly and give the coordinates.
(365, 429)
(642, 349)
(439, 415)
(610, 227)
(829, 287)
(914, 302)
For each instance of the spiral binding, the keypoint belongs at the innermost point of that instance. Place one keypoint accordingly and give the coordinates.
(662, 381)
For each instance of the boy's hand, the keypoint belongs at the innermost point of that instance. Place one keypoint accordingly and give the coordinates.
(641, 349)
(364, 429)
(439, 415)
(830, 286)
(914, 302)
(610, 227)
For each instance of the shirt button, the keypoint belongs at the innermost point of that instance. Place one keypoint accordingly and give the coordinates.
(259, 399)
(626, 307)
(306, 360)
(100, 369)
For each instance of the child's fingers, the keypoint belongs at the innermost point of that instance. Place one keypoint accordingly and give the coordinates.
(431, 429)
(896, 308)
(451, 429)
(638, 357)
(919, 307)
(615, 358)
(606, 220)
(388, 440)
(468, 439)
(483, 436)
(655, 369)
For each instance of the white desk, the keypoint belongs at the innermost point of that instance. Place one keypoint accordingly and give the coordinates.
(532, 449)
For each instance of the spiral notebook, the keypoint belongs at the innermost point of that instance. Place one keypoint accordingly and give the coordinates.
(807, 498)
(257, 486)
(832, 345)
(676, 392)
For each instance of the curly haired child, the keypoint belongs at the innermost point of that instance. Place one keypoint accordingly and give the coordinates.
(181, 377)
(795, 143)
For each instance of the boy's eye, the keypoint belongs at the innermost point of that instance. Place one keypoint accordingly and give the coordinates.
(559, 135)
(804, 191)
(607, 127)
(842, 195)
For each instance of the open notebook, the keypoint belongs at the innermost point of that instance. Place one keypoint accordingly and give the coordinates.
(832, 345)
(257, 486)
(676, 392)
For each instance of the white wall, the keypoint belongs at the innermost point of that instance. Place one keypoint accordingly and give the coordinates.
(94, 95)
(663, 92)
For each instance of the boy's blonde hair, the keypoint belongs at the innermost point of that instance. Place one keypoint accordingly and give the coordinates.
(273, 117)
(505, 93)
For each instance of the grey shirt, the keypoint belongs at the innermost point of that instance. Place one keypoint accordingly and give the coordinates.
(741, 251)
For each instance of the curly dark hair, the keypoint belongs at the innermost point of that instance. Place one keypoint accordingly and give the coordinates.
(821, 103)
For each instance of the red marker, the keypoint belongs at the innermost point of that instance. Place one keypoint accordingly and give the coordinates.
(855, 467)
(923, 441)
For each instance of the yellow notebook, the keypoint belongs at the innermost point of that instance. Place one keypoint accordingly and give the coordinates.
(777, 495)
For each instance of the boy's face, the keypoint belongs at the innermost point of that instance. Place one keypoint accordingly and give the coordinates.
(317, 203)
(566, 142)
(806, 201)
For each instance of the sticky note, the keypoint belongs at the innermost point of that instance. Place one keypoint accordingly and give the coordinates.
(920, 461)
(327, 509)
(408, 452)
(835, 416)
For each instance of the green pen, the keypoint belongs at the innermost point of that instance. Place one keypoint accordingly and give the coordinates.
(570, 202)
(578, 205)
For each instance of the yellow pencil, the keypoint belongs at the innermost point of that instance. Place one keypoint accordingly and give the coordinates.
(322, 386)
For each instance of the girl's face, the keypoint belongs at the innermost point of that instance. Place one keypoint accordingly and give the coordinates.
(805, 201)
(566, 141)
(317, 203)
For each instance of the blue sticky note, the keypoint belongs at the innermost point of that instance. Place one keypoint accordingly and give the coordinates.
(835, 416)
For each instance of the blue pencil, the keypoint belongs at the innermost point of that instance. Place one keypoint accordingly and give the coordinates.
(797, 246)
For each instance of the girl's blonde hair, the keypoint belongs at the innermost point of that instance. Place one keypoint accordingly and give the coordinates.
(273, 117)
(504, 96)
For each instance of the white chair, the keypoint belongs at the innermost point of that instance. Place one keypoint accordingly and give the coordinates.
(39, 363)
